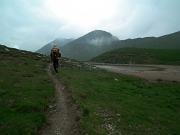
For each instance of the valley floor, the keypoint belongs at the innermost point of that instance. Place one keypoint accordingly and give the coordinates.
(147, 72)
(63, 113)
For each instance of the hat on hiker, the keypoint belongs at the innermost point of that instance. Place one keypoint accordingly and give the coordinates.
(55, 46)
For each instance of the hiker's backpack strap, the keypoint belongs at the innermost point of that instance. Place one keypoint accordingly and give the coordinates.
(51, 54)
(59, 53)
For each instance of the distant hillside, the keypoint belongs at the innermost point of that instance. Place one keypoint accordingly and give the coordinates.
(170, 41)
(59, 42)
(89, 45)
(140, 56)
(98, 42)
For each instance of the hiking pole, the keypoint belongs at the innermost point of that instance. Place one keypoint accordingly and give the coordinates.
(60, 64)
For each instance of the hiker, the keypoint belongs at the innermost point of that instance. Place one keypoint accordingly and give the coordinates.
(55, 57)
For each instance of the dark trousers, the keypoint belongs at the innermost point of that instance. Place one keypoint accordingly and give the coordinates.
(56, 64)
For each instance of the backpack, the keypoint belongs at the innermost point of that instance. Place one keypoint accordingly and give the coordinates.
(55, 54)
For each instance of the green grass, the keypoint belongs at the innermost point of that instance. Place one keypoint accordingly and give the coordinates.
(109, 103)
(112, 104)
(25, 90)
(140, 56)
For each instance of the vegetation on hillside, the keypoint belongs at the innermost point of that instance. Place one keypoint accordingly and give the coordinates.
(140, 56)
(108, 103)
(97, 42)
(170, 41)
(25, 91)
(116, 104)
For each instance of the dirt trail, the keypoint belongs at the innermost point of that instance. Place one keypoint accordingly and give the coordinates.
(62, 114)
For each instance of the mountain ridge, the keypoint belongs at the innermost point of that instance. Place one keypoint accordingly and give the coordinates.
(89, 45)
(98, 42)
(58, 41)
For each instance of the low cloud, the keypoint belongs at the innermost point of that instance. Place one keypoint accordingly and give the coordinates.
(31, 24)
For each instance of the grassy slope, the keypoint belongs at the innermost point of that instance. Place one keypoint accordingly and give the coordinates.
(25, 89)
(170, 41)
(112, 104)
(140, 56)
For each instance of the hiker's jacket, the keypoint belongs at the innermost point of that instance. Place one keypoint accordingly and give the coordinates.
(55, 53)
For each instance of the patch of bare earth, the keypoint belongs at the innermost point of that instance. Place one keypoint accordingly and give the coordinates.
(62, 114)
(167, 72)
(170, 73)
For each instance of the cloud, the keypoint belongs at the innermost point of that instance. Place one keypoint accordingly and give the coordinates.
(145, 18)
(26, 25)
(31, 24)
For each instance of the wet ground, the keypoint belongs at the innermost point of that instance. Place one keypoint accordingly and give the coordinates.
(130, 68)
(148, 72)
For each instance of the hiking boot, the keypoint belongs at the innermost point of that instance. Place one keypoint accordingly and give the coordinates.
(56, 71)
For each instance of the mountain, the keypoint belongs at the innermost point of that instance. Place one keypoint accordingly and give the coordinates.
(170, 41)
(59, 42)
(88, 46)
(98, 42)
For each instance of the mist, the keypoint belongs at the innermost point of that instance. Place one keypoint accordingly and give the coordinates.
(31, 24)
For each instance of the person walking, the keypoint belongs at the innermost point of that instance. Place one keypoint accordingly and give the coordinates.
(55, 57)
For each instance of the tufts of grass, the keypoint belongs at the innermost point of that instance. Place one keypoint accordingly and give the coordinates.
(109, 103)
(25, 90)
(116, 104)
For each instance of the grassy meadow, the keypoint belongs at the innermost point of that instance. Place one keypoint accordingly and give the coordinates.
(108, 103)
(113, 104)
(25, 90)
(140, 56)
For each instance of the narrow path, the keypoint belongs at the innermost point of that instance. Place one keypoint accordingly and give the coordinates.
(62, 117)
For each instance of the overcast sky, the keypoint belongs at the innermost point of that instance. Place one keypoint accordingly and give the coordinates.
(31, 24)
